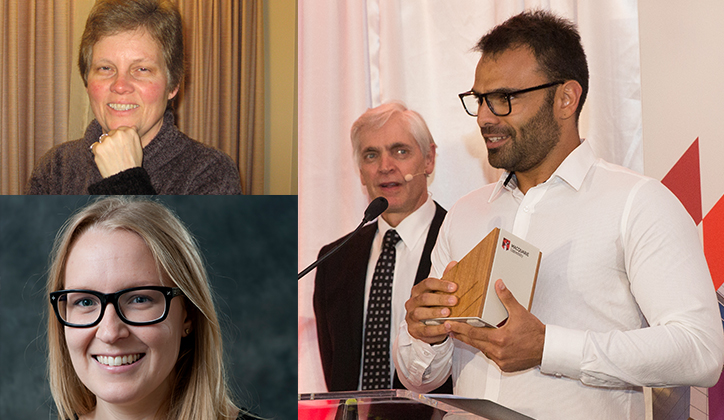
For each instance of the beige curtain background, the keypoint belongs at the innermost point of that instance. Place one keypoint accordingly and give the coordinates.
(43, 101)
(36, 42)
(223, 97)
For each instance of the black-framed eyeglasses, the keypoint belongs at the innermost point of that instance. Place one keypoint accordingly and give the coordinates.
(136, 306)
(498, 101)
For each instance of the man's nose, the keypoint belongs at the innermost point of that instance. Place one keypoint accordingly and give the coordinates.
(387, 163)
(486, 116)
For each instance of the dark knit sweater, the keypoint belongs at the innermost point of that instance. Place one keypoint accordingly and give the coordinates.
(172, 164)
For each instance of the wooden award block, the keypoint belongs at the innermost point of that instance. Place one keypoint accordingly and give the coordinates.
(500, 255)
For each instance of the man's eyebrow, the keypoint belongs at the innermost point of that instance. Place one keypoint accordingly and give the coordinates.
(396, 145)
(498, 90)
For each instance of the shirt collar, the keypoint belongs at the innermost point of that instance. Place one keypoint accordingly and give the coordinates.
(412, 227)
(572, 170)
(507, 181)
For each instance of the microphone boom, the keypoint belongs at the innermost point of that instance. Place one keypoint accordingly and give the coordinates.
(373, 210)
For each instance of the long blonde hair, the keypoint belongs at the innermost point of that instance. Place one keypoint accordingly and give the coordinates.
(201, 391)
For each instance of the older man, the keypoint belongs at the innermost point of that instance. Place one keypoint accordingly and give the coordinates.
(623, 297)
(360, 291)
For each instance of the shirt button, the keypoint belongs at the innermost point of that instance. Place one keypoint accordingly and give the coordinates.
(526, 209)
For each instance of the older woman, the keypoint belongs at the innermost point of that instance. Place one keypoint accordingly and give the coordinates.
(132, 64)
(134, 317)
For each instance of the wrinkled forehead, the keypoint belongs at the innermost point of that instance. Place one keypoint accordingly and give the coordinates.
(134, 43)
(394, 133)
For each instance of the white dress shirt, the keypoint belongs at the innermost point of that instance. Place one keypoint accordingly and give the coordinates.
(623, 288)
(413, 231)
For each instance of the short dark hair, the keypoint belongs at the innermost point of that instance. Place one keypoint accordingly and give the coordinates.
(161, 18)
(554, 41)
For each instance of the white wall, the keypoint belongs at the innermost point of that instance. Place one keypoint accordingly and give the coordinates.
(682, 90)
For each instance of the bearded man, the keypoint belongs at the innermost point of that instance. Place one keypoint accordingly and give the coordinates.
(623, 297)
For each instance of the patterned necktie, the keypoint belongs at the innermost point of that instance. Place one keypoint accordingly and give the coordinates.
(376, 367)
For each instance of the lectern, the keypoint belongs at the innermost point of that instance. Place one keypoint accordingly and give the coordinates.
(398, 404)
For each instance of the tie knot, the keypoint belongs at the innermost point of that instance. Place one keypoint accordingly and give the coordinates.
(391, 238)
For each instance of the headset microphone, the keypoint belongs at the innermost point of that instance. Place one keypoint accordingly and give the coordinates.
(409, 177)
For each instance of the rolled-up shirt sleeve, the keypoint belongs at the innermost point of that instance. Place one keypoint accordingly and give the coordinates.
(420, 366)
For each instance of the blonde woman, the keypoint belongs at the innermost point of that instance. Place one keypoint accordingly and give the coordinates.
(133, 331)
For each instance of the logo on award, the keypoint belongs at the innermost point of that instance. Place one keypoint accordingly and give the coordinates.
(506, 244)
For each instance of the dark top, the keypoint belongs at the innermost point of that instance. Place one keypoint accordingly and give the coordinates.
(242, 416)
(339, 288)
(172, 164)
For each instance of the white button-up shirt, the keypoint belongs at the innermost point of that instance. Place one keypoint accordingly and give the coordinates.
(623, 288)
(413, 231)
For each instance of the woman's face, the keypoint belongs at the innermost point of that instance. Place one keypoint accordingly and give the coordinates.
(128, 83)
(108, 261)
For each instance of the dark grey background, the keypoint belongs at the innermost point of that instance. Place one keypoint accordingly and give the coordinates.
(250, 246)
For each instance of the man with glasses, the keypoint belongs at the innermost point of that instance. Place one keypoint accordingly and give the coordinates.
(623, 297)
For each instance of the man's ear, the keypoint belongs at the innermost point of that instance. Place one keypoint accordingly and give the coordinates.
(568, 99)
(430, 159)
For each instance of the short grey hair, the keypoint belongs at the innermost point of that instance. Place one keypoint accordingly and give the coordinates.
(375, 118)
(162, 20)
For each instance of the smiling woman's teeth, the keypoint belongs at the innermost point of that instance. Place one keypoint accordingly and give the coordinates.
(122, 107)
(118, 360)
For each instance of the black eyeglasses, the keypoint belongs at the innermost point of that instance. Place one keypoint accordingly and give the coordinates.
(498, 101)
(136, 306)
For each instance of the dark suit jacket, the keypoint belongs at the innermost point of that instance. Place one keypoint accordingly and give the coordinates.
(339, 289)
